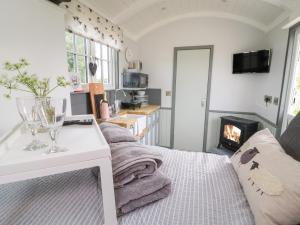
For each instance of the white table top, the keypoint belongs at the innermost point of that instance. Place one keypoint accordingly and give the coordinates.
(84, 142)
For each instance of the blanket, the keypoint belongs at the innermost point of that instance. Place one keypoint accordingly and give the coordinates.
(142, 192)
(131, 160)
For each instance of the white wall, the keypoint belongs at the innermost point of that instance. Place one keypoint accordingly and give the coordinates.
(134, 48)
(270, 83)
(228, 92)
(242, 93)
(32, 29)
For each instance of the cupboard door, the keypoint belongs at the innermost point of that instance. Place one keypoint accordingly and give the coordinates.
(157, 127)
(156, 133)
(143, 141)
(153, 135)
(153, 118)
(149, 117)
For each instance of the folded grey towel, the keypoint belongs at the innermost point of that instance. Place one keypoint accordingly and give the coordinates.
(142, 192)
(114, 133)
(131, 160)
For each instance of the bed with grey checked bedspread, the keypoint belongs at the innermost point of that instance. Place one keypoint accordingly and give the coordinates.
(205, 190)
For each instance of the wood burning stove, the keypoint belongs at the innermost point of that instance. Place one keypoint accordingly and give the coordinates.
(235, 131)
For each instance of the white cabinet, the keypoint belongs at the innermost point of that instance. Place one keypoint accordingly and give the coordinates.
(146, 127)
(143, 141)
(165, 127)
(149, 126)
(151, 137)
(157, 121)
(139, 126)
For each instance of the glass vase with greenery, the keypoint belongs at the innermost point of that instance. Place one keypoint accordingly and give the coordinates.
(25, 82)
(29, 107)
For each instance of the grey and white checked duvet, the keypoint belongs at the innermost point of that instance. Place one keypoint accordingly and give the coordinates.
(205, 191)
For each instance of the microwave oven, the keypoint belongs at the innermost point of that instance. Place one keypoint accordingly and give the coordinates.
(134, 80)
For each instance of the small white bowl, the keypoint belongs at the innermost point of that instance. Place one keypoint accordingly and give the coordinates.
(141, 93)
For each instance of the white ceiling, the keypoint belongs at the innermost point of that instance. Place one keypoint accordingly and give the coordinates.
(138, 17)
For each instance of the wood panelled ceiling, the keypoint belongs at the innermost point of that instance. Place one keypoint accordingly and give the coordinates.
(137, 17)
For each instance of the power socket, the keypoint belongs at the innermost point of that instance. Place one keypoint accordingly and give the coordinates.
(268, 99)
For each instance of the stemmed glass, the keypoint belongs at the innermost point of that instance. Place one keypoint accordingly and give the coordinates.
(28, 110)
(52, 113)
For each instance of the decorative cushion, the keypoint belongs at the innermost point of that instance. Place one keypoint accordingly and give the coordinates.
(270, 179)
(114, 133)
(290, 139)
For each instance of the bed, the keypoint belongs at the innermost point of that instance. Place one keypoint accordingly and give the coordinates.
(205, 190)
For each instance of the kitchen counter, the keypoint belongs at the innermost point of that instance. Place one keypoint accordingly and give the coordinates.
(142, 122)
(146, 110)
(123, 122)
(129, 122)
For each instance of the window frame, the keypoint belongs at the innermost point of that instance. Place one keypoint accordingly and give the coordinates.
(89, 55)
(295, 63)
(76, 55)
(284, 116)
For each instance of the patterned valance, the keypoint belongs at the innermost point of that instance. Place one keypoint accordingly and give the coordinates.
(84, 21)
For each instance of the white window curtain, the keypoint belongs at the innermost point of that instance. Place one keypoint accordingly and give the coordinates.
(84, 21)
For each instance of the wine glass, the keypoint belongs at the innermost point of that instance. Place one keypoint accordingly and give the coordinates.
(52, 113)
(28, 110)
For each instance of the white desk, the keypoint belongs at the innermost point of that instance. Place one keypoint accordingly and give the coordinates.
(87, 148)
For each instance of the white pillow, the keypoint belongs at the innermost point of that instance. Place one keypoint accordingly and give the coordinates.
(270, 179)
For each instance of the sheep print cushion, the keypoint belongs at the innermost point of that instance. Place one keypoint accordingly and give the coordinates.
(270, 179)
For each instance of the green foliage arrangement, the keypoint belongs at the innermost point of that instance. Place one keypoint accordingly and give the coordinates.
(27, 82)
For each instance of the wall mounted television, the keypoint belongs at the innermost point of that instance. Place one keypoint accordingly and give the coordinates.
(252, 62)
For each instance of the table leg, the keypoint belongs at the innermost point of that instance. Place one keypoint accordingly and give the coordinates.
(108, 194)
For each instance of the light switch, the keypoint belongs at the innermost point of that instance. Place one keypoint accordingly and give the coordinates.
(168, 93)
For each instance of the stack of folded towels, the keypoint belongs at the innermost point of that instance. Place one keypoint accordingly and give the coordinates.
(137, 180)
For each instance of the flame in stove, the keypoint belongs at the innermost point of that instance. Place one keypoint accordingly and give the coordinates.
(232, 133)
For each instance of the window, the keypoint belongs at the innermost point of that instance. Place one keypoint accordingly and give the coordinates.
(81, 51)
(294, 107)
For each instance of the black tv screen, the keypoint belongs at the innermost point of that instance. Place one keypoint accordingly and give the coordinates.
(252, 62)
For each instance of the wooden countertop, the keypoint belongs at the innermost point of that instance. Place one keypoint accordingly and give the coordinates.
(129, 122)
(123, 122)
(146, 110)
